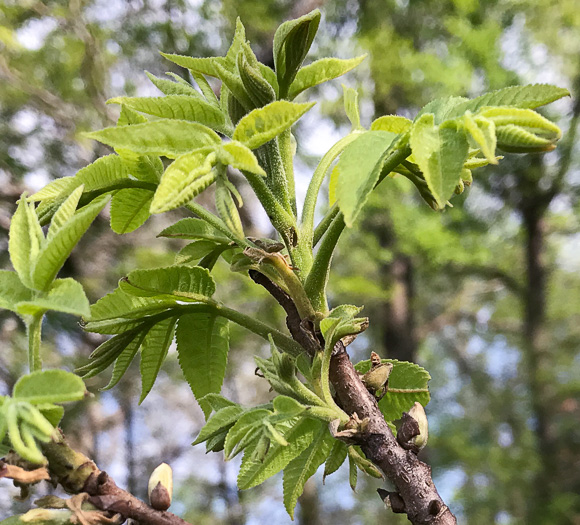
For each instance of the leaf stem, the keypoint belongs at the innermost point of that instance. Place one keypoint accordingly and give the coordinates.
(34, 332)
(285, 145)
(318, 276)
(259, 328)
(324, 224)
(217, 223)
(307, 222)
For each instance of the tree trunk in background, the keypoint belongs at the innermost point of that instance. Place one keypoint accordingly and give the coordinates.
(309, 513)
(399, 338)
(538, 359)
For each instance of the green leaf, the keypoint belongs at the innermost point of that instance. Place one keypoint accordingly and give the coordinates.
(440, 152)
(185, 178)
(176, 107)
(193, 229)
(25, 241)
(12, 291)
(120, 311)
(363, 463)
(321, 71)
(64, 295)
(442, 108)
(193, 283)
(303, 468)
(105, 354)
(263, 124)
(130, 116)
(407, 384)
(351, 106)
(148, 168)
(223, 419)
(202, 349)
(52, 413)
(205, 66)
(55, 188)
(56, 251)
(227, 209)
(153, 352)
(167, 137)
(288, 406)
(126, 357)
(352, 472)
(217, 401)
(524, 97)
(102, 174)
(168, 87)
(292, 41)
(392, 123)
(65, 212)
(335, 459)
(359, 168)
(130, 209)
(238, 156)
(299, 437)
(246, 429)
(49, 386)
(482, 131)
(235, 86)
(194, 251)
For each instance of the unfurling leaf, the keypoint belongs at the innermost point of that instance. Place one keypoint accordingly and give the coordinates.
(185, 178)
(359, 168)
(263, 124)
(291, 44)
(56, 250)
(440, 151)
(392, 123)
(351, 108)
(321, 71)
(226, 207)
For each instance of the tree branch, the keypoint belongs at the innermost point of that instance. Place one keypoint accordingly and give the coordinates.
(411, 476)
(76, 473)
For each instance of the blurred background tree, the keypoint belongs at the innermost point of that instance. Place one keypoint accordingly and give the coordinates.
(486, 295)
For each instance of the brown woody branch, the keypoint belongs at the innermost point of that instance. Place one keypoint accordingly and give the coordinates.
(76, 473)
(412, 478)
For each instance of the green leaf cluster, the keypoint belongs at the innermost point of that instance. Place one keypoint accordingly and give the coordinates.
(31, 414)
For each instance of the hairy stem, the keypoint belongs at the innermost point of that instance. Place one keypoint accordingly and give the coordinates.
(325, 224)
(285, 144)
(34, 331)
(318, 276)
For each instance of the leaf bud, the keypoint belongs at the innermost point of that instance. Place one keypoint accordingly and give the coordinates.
(258, 88)
(160, 487)
(522, 130)
(417, 412)
(460, 187)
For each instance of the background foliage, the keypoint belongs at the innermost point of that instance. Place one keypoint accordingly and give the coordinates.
(485, 296)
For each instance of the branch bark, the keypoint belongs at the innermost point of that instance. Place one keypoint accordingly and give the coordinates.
(76, 473)
(412, 478)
